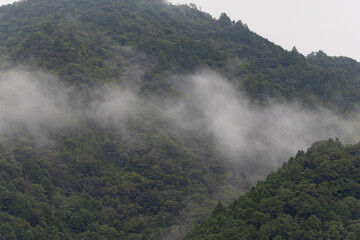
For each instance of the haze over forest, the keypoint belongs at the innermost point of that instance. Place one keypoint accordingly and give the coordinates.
(133, 119)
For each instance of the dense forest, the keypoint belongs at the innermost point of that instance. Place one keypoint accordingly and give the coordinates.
(72, 167)
(313, 196)
(83, 42)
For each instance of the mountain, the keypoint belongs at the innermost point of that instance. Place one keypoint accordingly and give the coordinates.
(83, 42)
(313, 196)
(104, 122)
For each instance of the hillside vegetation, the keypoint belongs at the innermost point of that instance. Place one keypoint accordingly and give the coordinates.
(128, 173)
(87, 42)
(313, 196)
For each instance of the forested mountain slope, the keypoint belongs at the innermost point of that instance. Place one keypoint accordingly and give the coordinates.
(313, 196)
(94, 139)
(83, 42)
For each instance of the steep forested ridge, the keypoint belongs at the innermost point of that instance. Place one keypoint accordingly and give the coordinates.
(83, 42)
(138, 178)
(313, 196)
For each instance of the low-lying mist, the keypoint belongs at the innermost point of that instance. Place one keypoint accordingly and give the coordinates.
(256, 136)
(32, 100)
(251, 135)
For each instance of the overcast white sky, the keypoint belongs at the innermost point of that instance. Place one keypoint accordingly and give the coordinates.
(310, 25)
(3, 2)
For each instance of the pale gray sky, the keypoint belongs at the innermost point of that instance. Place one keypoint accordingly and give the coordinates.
(3, 2)
(309, 25)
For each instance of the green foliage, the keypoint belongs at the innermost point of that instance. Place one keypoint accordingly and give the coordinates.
(87, 42)
(301, 200)
(100, 183)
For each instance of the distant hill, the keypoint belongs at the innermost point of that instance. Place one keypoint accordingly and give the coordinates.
(313, 196)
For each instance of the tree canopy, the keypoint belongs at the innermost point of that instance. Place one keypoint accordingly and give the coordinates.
(313, 196)
(150, 181)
